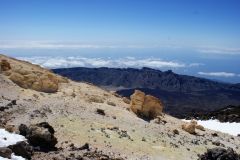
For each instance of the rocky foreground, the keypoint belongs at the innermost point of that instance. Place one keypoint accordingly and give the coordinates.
(62, 119)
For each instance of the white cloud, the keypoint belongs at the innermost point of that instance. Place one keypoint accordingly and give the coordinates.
(82, 45)
(196, 64)
(218, 74)
(215, 50)
(66, 62)
(65, 45)
(50, 45)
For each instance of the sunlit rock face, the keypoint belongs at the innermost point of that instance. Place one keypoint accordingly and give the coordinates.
(146, 106)
(34, 77)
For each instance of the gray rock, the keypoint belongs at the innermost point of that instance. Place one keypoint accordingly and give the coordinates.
(216, 143)
(220, 154)
(22, 149)
(39, 135)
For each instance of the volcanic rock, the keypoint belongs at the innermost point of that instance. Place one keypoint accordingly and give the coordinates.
(146, 106)
(39, 135)
(44, 83)
(34, 77)
(100, 111)
(5, 152)
(220, 154)
(4, 65)
(22, 149)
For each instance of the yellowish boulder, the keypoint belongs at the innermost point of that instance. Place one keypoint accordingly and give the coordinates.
(146, 106)
(44, 83)
(137, 100)
(29, 76)
(189, 127)
(152, 107)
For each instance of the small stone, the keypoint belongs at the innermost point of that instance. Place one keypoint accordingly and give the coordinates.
(175, 131)
(214, 134)
(10, 128)
(216, 143)
(85, 146)
(101, 112)
(189, 127)
(111, 103)
(144, 139)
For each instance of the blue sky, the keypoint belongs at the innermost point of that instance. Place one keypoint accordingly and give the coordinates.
(196, 37)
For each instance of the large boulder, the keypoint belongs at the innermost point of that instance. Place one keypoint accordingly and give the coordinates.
(39, 135)
(45, 82)
(146, 106)
(29, 76)
(220, 154)
(4, 65)
(137, 100)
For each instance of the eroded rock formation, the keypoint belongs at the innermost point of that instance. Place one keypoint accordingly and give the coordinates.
(146, 106)
(31, 78)
(190, 127)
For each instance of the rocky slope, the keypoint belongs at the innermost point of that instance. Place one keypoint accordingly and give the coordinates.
(29, 76)
(203, 95)
(82, 113)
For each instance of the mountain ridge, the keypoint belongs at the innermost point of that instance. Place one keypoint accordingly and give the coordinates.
(182, 94)
(150, 75)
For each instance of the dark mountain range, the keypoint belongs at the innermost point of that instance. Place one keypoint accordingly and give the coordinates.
(182, 94)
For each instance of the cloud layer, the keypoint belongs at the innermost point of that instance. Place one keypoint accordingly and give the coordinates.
(65, 45)
(223, 51)
(67, 62)
(219, 74)
(81, 45)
